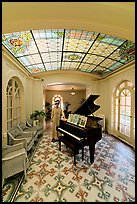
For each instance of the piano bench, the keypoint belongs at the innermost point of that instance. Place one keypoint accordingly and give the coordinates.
(72, 145)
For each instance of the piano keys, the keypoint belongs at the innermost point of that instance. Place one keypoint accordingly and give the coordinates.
(70, 134)
(75, 136)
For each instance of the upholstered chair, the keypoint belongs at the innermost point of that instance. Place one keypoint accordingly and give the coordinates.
(24, 128)
(14, 160)
(38, 127)
(16, 136)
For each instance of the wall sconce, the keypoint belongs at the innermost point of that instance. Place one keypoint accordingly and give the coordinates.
(72, 92)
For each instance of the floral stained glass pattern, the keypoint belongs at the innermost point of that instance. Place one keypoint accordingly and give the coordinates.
(61, 49)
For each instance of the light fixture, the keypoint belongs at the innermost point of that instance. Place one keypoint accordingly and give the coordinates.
(72, 92)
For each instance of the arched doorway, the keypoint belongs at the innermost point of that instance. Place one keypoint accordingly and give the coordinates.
(55, 98)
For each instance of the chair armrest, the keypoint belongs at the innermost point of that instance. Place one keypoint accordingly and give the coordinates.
(26, 134)
(28, 124)
(14, 156)
(18, 140)
(13, 147)
(22, 128)
(32, 132)
(23, 140)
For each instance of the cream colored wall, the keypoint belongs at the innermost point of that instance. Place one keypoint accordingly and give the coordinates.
(56, 77)
(34, 96)
(106, 88)
(62, 76)
(92, 88)
(33, 91)
(112, 18)
(73, 100)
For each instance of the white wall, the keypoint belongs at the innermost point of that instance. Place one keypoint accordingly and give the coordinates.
(73, 100)
(68, 76)
(33, 91)
(106, 88)
(112, 18)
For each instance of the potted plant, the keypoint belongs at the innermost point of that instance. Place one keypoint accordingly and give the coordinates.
(37, 116)
(48, 109)
(66, 112)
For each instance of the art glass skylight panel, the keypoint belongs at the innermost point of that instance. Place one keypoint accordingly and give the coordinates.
(86, 67)
(102, 49)
(48, 40)
(93, 59)
(30, 59)
(100, 71)
(51, 57)
(115, 66)
(70, 65)
(17, 43)
(107, 63)
(33, 69)
(115, 55)
(78, 41)
(56, 49)
(25, 61)
(29, 50)
(70, 56)
(52, 66)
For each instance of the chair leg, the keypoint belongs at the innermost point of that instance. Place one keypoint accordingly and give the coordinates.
(25, 172)
(2, 182)
(27, 160)
(25, 164)
(82, 153)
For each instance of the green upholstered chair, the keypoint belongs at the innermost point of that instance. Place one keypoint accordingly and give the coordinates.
(14, 160)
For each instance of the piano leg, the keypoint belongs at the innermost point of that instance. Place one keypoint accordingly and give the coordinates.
(71, 145)
(82, 153)
(74, 158)
(92, 151)
(59, 145)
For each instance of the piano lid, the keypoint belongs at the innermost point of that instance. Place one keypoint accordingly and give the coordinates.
(88, 107)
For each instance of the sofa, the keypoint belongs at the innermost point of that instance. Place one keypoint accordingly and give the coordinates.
(15, 136)
(26, 133)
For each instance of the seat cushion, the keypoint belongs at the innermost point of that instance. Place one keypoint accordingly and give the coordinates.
(39, 127)
(29, 129)
(13, 133)
(29, 139)
(29, 122)
(22, 126)
(14, 153)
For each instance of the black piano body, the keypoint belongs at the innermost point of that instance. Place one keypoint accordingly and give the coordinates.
(76, 137)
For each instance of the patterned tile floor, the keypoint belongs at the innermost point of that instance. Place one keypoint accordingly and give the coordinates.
(52, 177)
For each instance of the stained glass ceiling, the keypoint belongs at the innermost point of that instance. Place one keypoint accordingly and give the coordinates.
(59, 49)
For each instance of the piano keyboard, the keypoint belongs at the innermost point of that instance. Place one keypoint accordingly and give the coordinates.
(77, 138)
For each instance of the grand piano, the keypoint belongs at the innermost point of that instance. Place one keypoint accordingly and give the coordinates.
(76, 137)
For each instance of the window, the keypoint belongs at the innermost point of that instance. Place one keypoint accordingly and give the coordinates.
(13, 103)
(124, 111)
